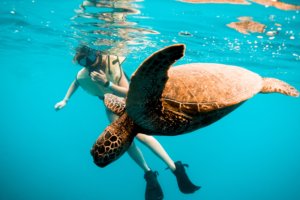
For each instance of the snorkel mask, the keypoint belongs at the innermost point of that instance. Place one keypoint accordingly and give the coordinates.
(87, 61)
(87, 56)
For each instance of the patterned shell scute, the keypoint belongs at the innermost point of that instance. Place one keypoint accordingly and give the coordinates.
(204, 87)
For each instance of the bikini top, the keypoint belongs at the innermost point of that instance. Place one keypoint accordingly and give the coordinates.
(113, 73)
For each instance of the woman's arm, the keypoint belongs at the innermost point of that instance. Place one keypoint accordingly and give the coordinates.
(122, 88)
(119, 90)
(72, 89)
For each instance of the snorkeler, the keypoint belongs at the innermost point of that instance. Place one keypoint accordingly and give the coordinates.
(103, 74)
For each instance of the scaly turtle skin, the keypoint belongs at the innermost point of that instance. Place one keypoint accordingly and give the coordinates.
(171, 101)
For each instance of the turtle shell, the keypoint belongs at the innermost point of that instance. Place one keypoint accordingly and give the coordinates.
(169, 100)
(204, 87)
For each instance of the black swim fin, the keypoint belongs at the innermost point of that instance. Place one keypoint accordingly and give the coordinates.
(184, 183)
(153, 189)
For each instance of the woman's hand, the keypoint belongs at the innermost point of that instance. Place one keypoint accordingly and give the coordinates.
(60, 105)
(99, 77)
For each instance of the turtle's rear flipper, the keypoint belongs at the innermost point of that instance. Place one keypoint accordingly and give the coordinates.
(184, 183)
(153, 189)
(274, 85)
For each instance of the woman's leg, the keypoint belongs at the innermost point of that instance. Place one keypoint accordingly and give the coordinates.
(157, 149)
(184, 183)
(153, 188)
(135, 153)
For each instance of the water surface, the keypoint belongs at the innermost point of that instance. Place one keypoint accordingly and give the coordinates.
(253, 153)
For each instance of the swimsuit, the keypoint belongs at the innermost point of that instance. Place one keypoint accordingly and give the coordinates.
(113, 73)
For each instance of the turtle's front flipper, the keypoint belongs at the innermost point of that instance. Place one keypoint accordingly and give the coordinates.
(113, 142)
(149, 80)
(114, 103)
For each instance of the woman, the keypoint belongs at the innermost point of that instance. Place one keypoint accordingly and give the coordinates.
(103, 74)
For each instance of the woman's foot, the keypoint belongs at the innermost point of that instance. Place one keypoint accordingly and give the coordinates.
(153, 189)
(184, 183)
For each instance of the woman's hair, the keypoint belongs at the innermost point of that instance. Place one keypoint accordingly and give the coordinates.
(84, 51)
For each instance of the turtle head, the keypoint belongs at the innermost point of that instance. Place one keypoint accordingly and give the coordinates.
(115, 104)
(113, 142)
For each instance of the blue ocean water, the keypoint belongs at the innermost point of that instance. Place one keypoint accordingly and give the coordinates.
(253, 153)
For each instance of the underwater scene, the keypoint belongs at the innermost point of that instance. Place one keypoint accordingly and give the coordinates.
(50, 49)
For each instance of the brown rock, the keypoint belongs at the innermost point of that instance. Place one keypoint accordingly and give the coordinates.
(246, 25)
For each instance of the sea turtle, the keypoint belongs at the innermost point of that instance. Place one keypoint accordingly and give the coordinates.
(171, 101)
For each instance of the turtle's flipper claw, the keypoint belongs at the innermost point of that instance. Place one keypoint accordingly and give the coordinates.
(153, 189)
(184, 183)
